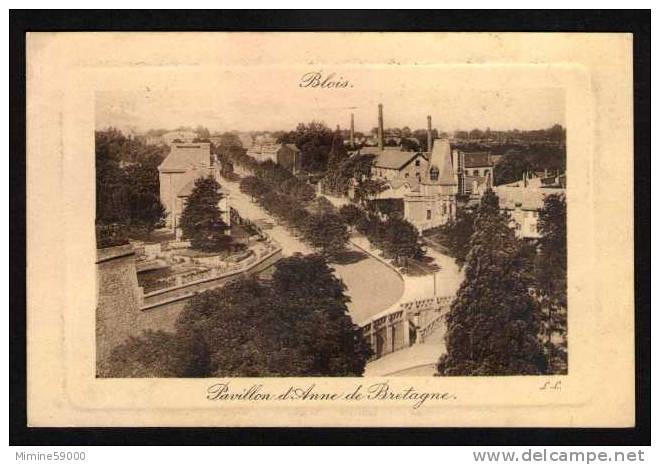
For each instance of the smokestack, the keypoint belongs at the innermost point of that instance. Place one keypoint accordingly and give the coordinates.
(461, 172)
(429, 134)
(381, 142)
(352, 132)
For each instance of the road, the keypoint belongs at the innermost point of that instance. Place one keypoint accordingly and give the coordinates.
(371, 285)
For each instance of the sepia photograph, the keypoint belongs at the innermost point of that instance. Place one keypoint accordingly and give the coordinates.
(371, 231)
(330, 229)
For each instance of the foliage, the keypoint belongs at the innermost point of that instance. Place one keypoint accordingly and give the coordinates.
(201, 219)
(127, 186)
(493, 325)
(400, 240)
(326, 232)
(350, 214)
(511, 168)
(110, 235)
(551, 277)
(315, 141)
(157, 354)
(456, 234)
(298, 325)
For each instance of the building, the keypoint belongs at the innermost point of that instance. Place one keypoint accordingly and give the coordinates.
(286, 155)
(173, 137)
(177, 174)
(392, 163)
(473, 171)
(433, 202)
(524, 199)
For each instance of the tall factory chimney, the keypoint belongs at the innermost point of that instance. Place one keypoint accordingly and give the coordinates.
(352, 132)
(381, 142)
(429, 134)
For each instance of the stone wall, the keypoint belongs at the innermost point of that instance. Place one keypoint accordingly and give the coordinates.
(123, 310)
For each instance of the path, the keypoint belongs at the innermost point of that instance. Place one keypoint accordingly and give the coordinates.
(419, 359)
(371, 285)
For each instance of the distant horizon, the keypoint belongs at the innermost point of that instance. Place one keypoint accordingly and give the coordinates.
(215, 133)
(250, 99)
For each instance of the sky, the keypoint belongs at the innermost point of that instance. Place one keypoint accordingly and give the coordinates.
(254, 98)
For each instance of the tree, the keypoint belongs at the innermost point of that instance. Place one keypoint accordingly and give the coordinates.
(327, 232)
(156, 354)
(127, 184)
(400, 240)
(511, 168)
(350, 214)
(551, 278)
(494, 323)
(314, 141)
(296, 326)
(314, 301)
(201, 219)
(456, 235)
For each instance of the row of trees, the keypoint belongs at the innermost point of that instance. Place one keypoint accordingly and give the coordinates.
(127, 187)
(397, 238)
(324, 230)
(295, 325)
(509, 316)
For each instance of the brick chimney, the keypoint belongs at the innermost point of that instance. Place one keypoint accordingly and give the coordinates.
(429, 134)
(352, 132)
(381, 135)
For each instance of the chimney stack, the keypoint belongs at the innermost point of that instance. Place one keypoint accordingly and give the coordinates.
(429, 134)
(381, 135)
(352, 132)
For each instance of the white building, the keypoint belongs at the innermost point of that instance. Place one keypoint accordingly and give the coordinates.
(524, 199)
(177, 174)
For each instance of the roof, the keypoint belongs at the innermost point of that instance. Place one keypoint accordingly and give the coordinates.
(292, 147)
(398, 182)
(393, 159)
(526, 198)
(476, 159)
(183, 157)
(441, 160)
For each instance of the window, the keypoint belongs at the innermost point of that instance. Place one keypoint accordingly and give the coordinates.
(444, 208)
(407, 174)
(475, 173)
(417, 162)
(428, 214)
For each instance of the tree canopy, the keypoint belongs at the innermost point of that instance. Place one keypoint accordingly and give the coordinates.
(201, 219)
(127, 185)
(494, 323)
(295, 325)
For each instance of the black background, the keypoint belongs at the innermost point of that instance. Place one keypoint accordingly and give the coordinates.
(637, 22)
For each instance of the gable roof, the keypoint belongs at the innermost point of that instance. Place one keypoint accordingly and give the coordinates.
(393, 159)
(530, 198)
(183, 157)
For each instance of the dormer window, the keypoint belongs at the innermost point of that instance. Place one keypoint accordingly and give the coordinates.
(434, 172)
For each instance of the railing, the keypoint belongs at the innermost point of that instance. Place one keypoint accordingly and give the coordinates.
(425, 331)
(389, 331)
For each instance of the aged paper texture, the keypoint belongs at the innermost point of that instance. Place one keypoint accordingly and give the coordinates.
(263, 83)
